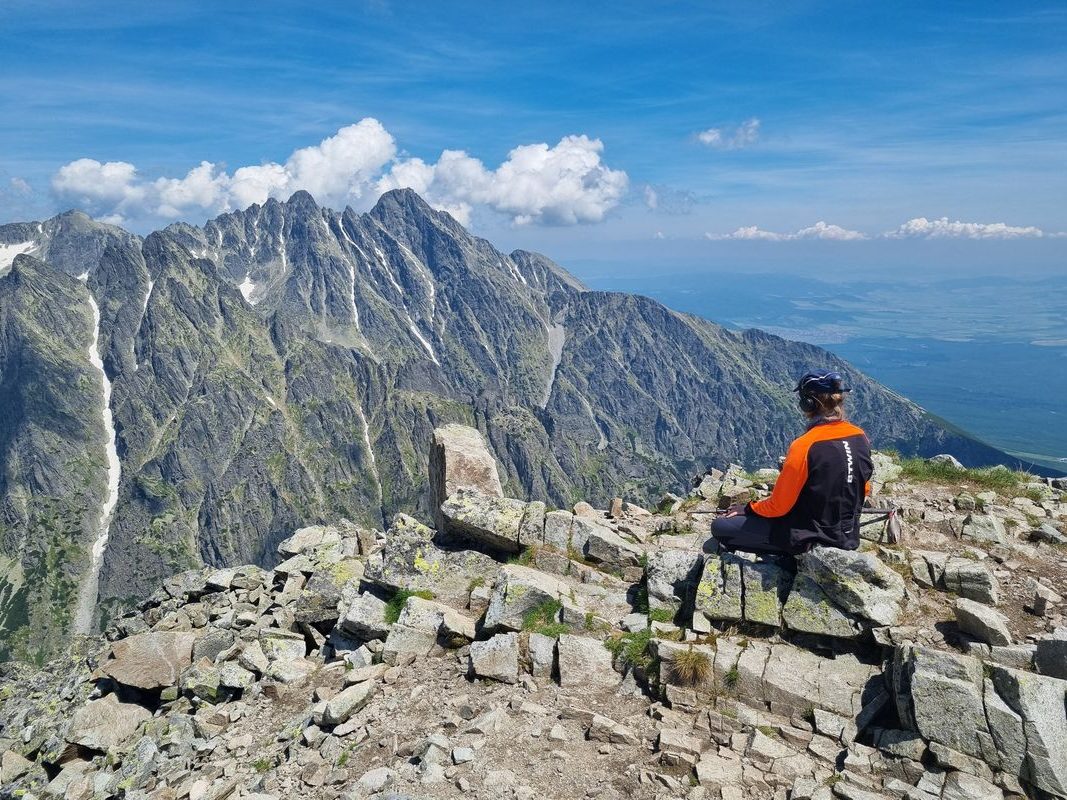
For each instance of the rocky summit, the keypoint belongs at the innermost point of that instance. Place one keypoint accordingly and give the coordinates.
(190, 398)
(524, 651)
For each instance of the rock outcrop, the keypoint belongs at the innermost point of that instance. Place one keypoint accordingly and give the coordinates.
(412, 663)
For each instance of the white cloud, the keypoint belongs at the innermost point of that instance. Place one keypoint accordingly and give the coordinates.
(745, 134)
(918, 228)
(564, 184)
(651, 198)
(108, 189)
(750, 233)
(21, 186)
(823, 230)
(820, 230)
(923, 228)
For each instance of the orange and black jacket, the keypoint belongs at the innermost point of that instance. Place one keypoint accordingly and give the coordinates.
(825, 478)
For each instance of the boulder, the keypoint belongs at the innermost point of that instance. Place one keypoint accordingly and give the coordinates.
(982, 622)
(961, 786)
(857, 582)
(279, 645)
(493, 521)
(365, 617)
(150, 661)
(585, 662)
(403, 641)
(542, 652)
(885, 471)
(13, 766)
(970, 579)
(460, 459)
(941, 695)
(604, 546)
(809, 610)
(106, 723)
(764, 584)
(718, 594)
(307, 540)
(497, 658)
(1041, 704)
(438, 619)
(671, 577)
(984, 529)
(410, 560)
(532, 527)
(518, 591)
(946, 459)
(1050, 657)
(340, 708)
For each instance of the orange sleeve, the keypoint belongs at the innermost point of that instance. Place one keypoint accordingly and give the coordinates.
(867, 489)
(790, 482)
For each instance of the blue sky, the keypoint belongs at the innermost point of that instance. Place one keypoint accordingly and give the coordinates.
(673, 133)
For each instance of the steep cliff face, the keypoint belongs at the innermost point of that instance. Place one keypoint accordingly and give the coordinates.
(287, 364)
(53, 470)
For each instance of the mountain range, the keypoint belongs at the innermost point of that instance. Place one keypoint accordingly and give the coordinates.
(195, 395)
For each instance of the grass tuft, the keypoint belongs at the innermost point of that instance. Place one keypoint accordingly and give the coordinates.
(631, 648)
(691, 667)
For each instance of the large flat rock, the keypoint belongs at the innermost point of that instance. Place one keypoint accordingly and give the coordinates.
(150, 661)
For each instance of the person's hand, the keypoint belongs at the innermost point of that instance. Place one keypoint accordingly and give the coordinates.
(735, 509)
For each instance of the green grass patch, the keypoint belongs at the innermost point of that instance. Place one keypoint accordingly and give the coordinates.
(631, 648)
(661, 615)
(995, 478)
(544, 619)
(397, 601)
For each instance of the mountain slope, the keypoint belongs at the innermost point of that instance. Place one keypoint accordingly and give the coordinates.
(287, 363)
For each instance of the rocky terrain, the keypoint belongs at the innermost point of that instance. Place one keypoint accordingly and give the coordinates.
(285, 365)
(523, 652)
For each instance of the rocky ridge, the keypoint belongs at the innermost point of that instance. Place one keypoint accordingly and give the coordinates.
(286, 364)
(521, 651)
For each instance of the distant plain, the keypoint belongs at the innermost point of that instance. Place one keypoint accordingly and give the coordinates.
(987, 354)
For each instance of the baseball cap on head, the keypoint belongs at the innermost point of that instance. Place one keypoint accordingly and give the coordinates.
(822, 383)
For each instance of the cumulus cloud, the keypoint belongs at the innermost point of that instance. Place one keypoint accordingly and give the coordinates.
(564, 184)
(337, 171)
(918, 228)
(823, 230)
(923, 228)
(745, 134)
(820, 230)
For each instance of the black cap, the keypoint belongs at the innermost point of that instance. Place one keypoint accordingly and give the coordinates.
(822, 383)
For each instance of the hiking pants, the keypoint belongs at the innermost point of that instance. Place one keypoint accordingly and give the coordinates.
(752, 534)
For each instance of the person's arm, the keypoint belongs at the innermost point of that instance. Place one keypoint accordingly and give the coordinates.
(787, 488)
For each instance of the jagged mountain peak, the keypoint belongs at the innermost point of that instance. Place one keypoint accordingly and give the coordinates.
(286, 363)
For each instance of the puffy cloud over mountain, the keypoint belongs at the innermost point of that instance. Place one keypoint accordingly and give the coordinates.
(563, 184)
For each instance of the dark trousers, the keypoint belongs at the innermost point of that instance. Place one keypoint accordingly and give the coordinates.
(752, 534)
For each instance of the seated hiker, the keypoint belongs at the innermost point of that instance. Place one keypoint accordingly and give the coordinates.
(822, 486)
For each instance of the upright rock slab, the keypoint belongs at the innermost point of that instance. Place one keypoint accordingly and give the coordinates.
(460, 459)
(718, 595)
(1041, 704)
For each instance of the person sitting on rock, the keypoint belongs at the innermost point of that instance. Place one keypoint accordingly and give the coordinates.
(822, 486)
